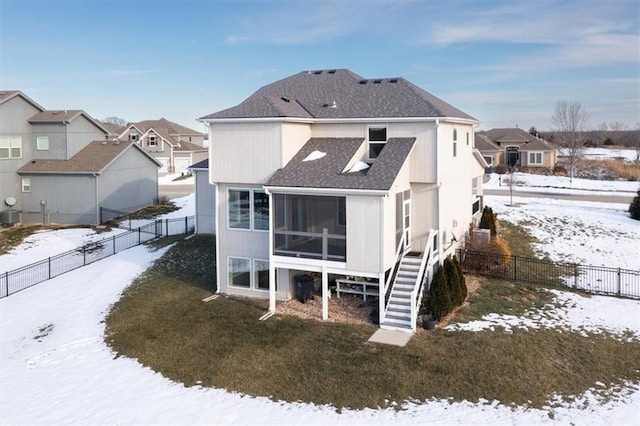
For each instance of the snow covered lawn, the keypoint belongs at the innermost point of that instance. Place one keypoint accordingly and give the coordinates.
(56, 369)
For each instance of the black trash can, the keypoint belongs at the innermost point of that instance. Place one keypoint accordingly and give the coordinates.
(304, 287)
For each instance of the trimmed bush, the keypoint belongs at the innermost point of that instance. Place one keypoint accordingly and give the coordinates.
(452, 285)
(460, 280)
(439, 301)
(634, 207)
(488, 220)
(501, 169)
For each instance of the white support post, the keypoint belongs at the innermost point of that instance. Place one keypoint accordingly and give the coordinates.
(272, 288)
(325, 294)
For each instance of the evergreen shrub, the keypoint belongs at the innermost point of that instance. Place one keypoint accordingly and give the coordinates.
(634, 207)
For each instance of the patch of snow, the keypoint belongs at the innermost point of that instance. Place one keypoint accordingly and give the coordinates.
(315, 155)
(627, 154)
(560, 184)
(359, 166)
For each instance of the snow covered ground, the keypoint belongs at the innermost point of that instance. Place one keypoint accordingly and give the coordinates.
(56, 369)
(627, 154)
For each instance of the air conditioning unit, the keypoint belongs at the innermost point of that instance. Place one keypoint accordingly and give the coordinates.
(481, 236)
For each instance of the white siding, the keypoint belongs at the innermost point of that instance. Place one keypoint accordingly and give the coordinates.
(244, 152)
(364, 238)
(205, 204)
(424, 213)
(294, 136)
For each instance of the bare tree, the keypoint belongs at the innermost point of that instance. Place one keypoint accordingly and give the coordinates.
(569, 122)
(116, 121)
(612, 132)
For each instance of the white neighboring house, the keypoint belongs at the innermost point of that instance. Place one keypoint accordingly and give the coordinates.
(330, 173)
(205, 199)
(176, 147)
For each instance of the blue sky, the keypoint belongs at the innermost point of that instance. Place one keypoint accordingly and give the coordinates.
(505, 63)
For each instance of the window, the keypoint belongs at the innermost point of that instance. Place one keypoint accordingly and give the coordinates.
(455, 149)
(261, 274)
(260, 210)
(42, 143)
(26, 185)
(248, 209)
(153, 141)
(133, 137)
(489, 160)
(535, 158)
(10, 147)
(455, 134)
(239, 272)
(377, 139)
(467, 138)
(239, 215)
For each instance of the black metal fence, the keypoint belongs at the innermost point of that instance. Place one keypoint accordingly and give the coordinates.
(27, 276)
(592, 279)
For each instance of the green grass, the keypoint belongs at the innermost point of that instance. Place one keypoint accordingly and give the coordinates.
(162, 321)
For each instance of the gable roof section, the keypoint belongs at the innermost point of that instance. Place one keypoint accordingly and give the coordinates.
(200, 165)
(327, 172)
(517, 135)
(484, 144)
(339, 94)
(93, 158)
(173, 129)
(64, 116)
(6, 95)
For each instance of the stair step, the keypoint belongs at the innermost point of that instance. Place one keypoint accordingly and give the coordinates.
(403, 307)
(399, 299)
(397, 323)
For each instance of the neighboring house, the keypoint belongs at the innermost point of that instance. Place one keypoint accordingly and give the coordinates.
(173, 145)
(205, 199)
(516, 147)
(330, 173)
(47, 158)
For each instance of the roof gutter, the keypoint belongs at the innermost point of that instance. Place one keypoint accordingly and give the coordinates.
(339, 120)
(324, 191)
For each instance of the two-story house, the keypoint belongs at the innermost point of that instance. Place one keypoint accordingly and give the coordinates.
(58, 166)
(176, 147)
(368, 183)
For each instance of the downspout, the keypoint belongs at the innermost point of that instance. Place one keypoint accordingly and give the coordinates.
(439, 186)
(66, 139)
(272, 269)
(95, 177)
(217, 210)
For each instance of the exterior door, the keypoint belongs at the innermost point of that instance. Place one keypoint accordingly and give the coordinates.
(406, 223)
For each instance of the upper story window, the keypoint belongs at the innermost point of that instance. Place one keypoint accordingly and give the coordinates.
(42, 143)
(455, 148)
(467, 138)
(377, 140)
(153, 141)
(455, 135)
(10, 147)
(26, 185)
(133, 137)
(248, 209)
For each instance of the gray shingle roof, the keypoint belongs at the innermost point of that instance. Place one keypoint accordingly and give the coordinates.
(55, 116)
(340, 94)
(506, 135)
(171, 127)
(484, 144)
(200, 165)
(326, 172)
(91, 159)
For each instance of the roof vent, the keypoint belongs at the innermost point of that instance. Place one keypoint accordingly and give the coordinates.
(377, 81)
(285, 99)
(393, 80)
(333, 104)
(317, 72)
(331, 71)
(363, 81)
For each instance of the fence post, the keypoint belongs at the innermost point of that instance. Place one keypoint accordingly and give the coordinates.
(139, 238)
(186, 225)
(575, 275)
(49, 268)
(166, 223)
(515, 268)
(619, 283)
(114, 244)
(6, 282)
(84, 255)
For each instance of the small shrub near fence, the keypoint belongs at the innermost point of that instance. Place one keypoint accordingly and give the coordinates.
(27, 276)
(593, 279)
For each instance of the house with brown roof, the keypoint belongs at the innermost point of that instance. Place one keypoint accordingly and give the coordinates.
(367, 184)
(59, 166)
(176, 147)
(515, 147)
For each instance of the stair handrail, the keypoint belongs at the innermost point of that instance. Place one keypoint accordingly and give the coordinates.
(398, 257)
(416, 293)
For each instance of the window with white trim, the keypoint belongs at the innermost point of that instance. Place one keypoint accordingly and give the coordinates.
(377, 139)
(239, 272)
(10, 147)
(467, 138)
(26, 185)
(455, 135)
(489, 160)
(42, 143)
(248, 209)
(535, 158)
(261, 274)
(153, 141)
(133, 137)
(455, 149)
(260, 210)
